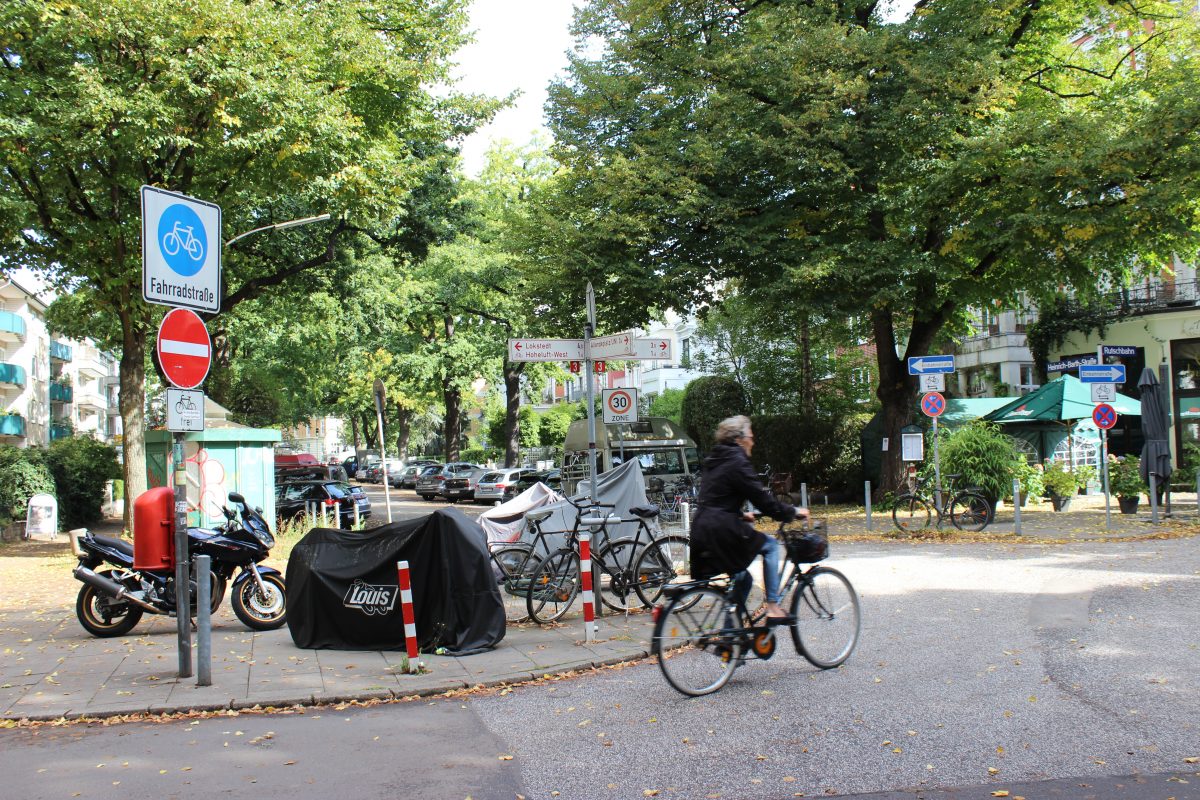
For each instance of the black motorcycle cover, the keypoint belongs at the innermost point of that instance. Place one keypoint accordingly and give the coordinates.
(343, 587)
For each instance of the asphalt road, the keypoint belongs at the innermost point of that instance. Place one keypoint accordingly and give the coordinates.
(1040, 671)
(406, 504)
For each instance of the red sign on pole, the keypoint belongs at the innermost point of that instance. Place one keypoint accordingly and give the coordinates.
(933, 404)
(184, 349)
(1105, 416)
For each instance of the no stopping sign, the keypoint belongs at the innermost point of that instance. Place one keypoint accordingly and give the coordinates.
(620, 405)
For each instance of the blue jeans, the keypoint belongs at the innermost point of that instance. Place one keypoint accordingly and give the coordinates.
(743, 581)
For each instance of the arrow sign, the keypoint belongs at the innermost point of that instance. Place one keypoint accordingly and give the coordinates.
(651, 350)
(921, 365)
(184, 349)
(545, 349)
(1102, 373)
(615, 346)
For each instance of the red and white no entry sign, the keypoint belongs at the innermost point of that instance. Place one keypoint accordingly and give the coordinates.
(184, 349)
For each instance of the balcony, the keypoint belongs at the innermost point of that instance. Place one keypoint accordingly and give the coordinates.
(60, 351)
(12, 327)
(11, 377)
(59, 430)
(91, 402)
(90, 366)
(12, 425)
(60, 393)
(1148, 299)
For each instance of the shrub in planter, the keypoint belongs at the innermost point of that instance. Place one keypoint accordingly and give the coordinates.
(1125, 481)
(1030, 476)
(984, 456)
(1061, 484)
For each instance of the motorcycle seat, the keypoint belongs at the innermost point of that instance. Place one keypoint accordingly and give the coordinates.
(115, 544)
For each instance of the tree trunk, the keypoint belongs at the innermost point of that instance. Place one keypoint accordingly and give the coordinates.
(808, 396)
(369, 431)
(512, 408)
(453, 400)
(354, 432)
(132, 372)
(404, 420)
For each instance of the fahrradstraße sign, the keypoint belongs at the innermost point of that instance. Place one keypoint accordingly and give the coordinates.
(181, 251)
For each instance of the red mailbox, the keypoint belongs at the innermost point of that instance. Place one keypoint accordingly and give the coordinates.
(154, 529)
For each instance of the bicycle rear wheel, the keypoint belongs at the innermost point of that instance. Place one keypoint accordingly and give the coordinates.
(826, 616)
(660, 562)
(514, 582)
(910, 513)
(693, 642)
(970, 512)
(612, 570)
(553, 587)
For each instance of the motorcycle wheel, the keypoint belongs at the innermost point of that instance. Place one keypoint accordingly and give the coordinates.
(259, 613)
(102, 616)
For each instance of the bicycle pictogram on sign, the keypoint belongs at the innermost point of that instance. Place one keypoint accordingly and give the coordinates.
(1105, 416)
(933, 404)
(182, 238)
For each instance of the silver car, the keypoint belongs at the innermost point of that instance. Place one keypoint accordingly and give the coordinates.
(499, 485)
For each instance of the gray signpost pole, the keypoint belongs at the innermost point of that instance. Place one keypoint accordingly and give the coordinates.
(588, 330)
(183, 616)
(387, 495)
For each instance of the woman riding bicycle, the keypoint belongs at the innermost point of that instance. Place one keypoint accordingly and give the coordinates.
(722, 538)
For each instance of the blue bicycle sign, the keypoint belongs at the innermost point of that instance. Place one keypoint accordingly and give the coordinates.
(183, 240)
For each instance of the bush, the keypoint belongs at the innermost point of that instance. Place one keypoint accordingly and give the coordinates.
(706, 402)
(823, 452)
(81, 467)
(21, 480)
(1060, 482)
(984, 456)
(1125, 476)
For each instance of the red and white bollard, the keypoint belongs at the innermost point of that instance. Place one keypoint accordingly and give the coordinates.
(410, 620)
(589, 596)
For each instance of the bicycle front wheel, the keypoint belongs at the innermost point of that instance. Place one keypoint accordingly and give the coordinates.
(826, 617)
(660, 562)
(553, 587)
(515, 579)
(694, 642)
(970, 512)
(910, 513)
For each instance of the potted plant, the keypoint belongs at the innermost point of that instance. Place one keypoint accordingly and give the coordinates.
(1061, 484)
(1125, 481)
(1030, 476)
(983, 456)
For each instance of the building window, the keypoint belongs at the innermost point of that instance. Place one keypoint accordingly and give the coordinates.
(685, 358)
(989, 321)
(1028, 379)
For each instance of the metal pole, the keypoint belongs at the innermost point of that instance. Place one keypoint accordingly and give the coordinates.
(203, 620)
(867, 499)
(1017, 506)
(183, 616)
(387, 494)
(1153, 499)
(1104, 461)
(588, 332)
(1198, 492)
(804, 495)
(686, 509)
(937, 468)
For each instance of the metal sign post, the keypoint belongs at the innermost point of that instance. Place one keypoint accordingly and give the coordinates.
(183, 616)
(588, 330)
(387, 495)
(1107, 497)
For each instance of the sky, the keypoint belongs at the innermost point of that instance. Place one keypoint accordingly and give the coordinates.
(519, 46)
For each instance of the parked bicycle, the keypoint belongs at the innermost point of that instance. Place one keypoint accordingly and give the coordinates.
(622, 568)
(968, 509)
(705, 632)
(683, 491)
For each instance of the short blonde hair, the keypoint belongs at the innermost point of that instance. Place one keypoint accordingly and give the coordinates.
(732, 429)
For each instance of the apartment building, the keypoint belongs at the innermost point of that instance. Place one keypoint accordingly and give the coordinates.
(995, 361)
(50, 386)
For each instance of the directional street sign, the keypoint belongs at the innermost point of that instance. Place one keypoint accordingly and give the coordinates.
(651, 350)
(919, 365)
(545, 349)
(181, 251)
(934, 382)
(184, 349)
(1102, 373)
(619, 345)
(1105, 416)
(933, 404)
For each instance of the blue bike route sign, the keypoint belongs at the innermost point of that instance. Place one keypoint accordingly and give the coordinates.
(181, 251)
(924, 365)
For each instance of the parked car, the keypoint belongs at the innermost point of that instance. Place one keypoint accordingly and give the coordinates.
(364, 469)
(292, 499)
(550, 477)
(318, 472)
(498, 485)
(461, 485)
(432, 480)
(407, 477)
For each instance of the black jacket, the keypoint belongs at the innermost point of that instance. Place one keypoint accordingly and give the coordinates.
(721, 540)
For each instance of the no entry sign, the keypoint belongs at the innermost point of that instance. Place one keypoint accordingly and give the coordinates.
(184, 349)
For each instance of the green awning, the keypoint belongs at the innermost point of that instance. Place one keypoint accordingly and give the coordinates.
(1060, 400)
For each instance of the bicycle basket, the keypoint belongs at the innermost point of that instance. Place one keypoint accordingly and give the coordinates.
(806, 547)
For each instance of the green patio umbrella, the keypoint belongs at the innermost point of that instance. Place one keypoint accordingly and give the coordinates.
(1061, 400)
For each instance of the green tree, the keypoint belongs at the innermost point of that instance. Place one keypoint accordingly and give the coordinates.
(274, 110)
(706, 402)
(669, 404)
(856, 165)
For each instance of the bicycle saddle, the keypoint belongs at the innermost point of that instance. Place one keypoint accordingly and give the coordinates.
(538, 516)
(645, 512)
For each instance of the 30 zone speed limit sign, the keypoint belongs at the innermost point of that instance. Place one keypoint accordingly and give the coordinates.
(620, 405)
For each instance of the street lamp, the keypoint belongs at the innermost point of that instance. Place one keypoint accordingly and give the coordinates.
(278, 226)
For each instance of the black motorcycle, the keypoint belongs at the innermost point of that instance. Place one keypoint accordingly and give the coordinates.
(113, 600)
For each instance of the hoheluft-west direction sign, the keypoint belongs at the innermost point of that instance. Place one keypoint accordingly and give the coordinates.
(920, 365)
(545, 350)
(1102, 373)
